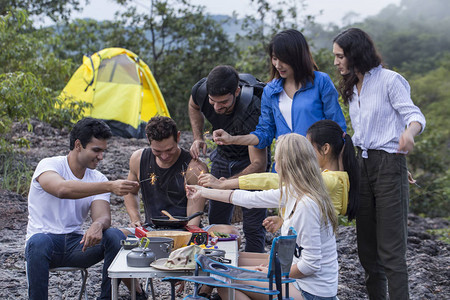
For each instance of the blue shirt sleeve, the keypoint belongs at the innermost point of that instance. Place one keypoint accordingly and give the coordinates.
(331, 108)
(265, 130)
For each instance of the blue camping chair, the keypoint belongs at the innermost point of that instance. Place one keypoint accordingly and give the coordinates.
(280, 261)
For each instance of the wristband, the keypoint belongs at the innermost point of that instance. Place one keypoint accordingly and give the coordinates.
(229, 197)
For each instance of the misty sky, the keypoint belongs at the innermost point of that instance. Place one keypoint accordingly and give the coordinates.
(332, 10)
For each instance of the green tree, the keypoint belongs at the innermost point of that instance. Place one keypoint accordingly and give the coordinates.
(80, 37)
(430, 160)
(412, 37)
(179, 43)
(24, 50)
(54, 9)
(30, 75)
(30, 79)
(257, 31)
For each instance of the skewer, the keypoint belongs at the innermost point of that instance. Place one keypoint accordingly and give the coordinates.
(152, 178)
(145, 180)
(183, 173)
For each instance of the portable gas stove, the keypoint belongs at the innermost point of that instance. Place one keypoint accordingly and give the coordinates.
(199, 236)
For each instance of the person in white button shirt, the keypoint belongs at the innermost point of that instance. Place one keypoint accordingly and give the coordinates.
(385, 121)
(306, 206)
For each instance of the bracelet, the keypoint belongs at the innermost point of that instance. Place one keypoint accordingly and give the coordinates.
(229, 197)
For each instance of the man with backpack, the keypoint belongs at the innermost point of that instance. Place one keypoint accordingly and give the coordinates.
(232, 102)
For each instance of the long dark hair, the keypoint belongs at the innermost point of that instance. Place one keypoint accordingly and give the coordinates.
(361, 54)
(327, 131)
(291, 47)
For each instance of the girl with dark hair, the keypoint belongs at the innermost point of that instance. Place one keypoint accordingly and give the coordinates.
(296, 97)
(337, 160)
(385, 121)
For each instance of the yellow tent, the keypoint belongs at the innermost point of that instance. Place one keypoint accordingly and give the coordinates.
(121, 88)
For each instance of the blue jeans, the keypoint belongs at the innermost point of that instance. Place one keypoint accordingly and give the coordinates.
(45, 251)
(221, 213)
(308, 296)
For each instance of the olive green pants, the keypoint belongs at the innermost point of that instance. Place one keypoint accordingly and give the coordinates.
(381, 224)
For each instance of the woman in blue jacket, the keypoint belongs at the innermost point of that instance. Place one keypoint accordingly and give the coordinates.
(296, 97)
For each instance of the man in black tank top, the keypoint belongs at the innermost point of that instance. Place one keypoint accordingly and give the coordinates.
(163, 169)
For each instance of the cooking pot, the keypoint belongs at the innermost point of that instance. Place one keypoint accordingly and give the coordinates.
(160, 246)
(180, 222)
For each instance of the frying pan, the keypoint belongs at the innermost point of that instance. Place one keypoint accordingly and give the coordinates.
(179, 223)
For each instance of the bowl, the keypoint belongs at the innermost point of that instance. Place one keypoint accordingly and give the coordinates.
(180, 238)
(129, 244)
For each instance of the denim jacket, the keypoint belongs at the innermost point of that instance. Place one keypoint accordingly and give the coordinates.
(314, 101)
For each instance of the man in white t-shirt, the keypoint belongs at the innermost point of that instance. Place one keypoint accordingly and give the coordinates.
(63, 191)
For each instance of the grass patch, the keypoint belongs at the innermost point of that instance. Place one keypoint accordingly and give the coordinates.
(15, 174)
(443, 234)
(342, 220)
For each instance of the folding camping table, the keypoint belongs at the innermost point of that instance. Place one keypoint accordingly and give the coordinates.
(120, 269)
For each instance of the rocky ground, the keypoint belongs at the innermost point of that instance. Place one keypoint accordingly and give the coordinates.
(428, 257)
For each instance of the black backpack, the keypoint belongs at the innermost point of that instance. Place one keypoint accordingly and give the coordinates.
(250, 85)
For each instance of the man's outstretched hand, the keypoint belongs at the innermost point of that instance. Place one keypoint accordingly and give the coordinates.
(122, 187)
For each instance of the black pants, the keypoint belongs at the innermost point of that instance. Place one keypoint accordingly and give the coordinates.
(381, 224)
(221, 213)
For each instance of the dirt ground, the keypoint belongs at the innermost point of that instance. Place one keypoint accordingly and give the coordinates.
(427, 257)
